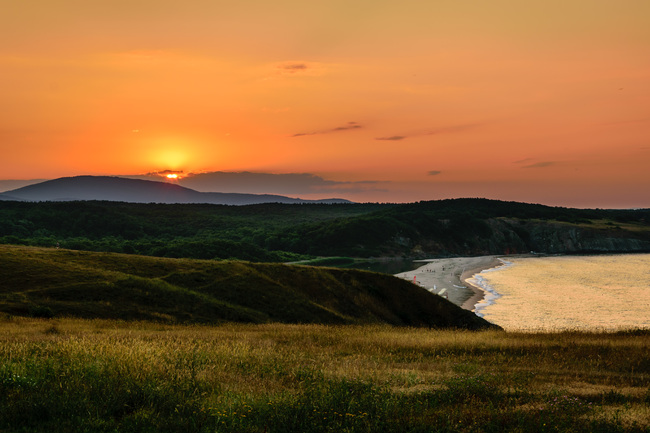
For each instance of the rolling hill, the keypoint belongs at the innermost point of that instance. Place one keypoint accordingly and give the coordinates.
(275, 232)
(6, 197)
(112, 188)
(55, 282)
(472, 227)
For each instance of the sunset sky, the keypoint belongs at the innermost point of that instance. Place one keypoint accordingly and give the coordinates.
(536, 101)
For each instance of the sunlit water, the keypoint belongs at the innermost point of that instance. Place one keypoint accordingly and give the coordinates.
(568, 293)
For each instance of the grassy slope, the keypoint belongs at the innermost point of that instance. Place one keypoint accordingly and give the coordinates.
(118, 286)
(71, 375)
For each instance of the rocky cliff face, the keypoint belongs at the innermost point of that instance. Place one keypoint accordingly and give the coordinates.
(558, 238)
(515, 237)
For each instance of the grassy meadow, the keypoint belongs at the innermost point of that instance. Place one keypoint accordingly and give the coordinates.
(104, 342)
(48, 282)
(76, 375)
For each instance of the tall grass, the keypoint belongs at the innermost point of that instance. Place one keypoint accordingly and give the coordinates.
(92, 375)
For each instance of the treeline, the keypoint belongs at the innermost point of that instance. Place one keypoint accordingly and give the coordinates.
(485, 208)
(166, 230)
(458, 227)
(284, 232)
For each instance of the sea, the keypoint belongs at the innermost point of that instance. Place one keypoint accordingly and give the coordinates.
(560, 293)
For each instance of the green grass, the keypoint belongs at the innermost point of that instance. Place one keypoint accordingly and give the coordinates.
(42, 282)
(73, 375)
(160, 356)
(329, 261)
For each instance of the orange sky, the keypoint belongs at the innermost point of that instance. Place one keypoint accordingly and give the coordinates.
(536, 101)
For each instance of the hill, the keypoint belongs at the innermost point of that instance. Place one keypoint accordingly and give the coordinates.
(289, 232)
(9, 184)
(139, 191)
(201, 231)
(472, 227)
(55, 282)
(5, 197)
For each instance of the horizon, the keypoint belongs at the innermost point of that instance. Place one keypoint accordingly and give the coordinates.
(174, 180)
(371, 102)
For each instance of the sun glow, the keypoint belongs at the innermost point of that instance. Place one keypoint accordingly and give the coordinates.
(172, 152)
(169, 175)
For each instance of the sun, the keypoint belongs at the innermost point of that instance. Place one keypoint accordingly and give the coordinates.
(170, 175)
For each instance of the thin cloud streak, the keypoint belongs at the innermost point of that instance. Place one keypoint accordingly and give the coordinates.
(540, 164)
(435, 131)
(268, 183)
(393, 138)
(347, 127)
(294, 67)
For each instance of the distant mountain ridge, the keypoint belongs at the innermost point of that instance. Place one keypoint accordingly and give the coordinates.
(5, 197)
(111, 188)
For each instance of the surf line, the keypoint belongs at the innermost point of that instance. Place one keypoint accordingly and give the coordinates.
(490, 294)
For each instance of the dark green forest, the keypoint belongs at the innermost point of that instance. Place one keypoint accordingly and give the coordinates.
(201, 231)
(289, 232)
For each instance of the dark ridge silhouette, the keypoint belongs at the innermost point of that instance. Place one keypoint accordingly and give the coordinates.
(5, 197)
(110, 188)
(9, 184)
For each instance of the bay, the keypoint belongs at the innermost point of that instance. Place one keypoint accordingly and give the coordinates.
(594, 293)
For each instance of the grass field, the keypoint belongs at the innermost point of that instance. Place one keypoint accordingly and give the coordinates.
(76, 375)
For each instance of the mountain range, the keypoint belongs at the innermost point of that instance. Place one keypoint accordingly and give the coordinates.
(110, 188)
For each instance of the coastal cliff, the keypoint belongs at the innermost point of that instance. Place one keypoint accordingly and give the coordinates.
(508, 236)
(287, 233)
(556, 238)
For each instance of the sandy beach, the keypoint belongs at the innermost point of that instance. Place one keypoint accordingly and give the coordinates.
(447, 277)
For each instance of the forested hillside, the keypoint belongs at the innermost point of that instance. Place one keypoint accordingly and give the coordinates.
(472, 227)
(200, 231)
(284, 232)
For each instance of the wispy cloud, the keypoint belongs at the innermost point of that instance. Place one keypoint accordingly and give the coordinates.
(392, 138)
(293, 68)
(348, 126)
(164, 172)
(434, 131)
(268, 183)
(542, 164)
(434, 172)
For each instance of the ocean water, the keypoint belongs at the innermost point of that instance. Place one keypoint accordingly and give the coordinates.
(609, 292)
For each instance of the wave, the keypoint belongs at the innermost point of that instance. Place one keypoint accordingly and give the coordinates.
(490, 294)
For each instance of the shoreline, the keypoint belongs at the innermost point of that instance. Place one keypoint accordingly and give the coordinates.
(479, 292)
(449, 277)
(489, 294)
